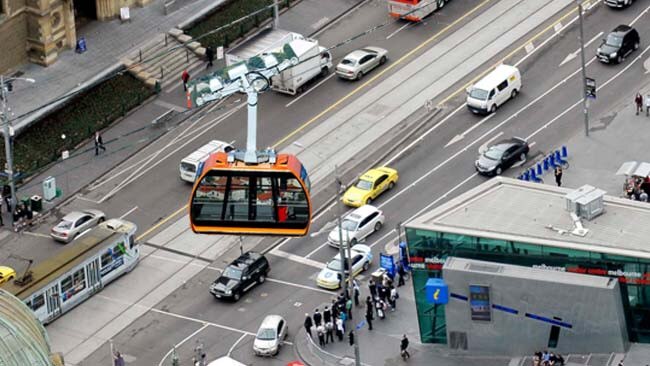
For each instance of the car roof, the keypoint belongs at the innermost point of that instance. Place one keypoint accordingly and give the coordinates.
(246, 259)
(364, 211)
(355, 55)
(622, 29)
(271, 321)
(495, 77)
(509, 142)
(75, 215)
(373, 174)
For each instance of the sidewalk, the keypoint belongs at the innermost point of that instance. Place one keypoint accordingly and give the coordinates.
(75, 71)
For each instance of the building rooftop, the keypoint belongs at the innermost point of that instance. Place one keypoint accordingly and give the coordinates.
(514, 210)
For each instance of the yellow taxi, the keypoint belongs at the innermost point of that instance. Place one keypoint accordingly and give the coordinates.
(6, 274)
(369, 186)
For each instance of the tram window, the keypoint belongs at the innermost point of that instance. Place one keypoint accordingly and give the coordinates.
(131, 241)
(107, 258)
(118, 251)
(237, 209)
(79, 280)
(66, 284)
(38, 302)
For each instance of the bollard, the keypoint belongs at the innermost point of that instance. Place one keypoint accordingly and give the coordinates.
(539, 169)
(525, 175)
(533, 176)
(565, 153)
(521, 177)
(545, 164)
(552, 160)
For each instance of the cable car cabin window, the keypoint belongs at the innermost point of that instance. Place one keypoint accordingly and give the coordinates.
(251, 199)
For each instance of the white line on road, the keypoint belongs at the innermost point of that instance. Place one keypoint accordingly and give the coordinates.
(316, 250)
(297, 258)
(382, 238)
(183, 341)
(399, 30)
(309, 90)
(234, 345)
(128, 212)
(486, 143)
(441, 197)
(299, 286)
(639, 16)
(472, 128)
(220, 326)
(575, 53)
(39, 235)
(359, 5)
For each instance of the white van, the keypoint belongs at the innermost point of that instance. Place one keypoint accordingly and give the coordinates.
(192, 165)
(494, 89)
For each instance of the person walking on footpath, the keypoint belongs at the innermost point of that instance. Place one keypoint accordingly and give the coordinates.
(318, 317)
(357, 292)
(369, 314)
(334, 309)
(308, 324)
(647, 105)
(1, 222)
(320, 331)
(329, 332)
(99, 143)
(340, 330)
(558, 175)
(403, 347)
(185, 77)
(118, 360)
(348, 308)
(402, 273)
(393, 298)
(327, 315)
(638, 101)
(209, 54)
(373, 288)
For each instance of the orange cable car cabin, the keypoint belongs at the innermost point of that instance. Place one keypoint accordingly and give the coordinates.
(232, 197)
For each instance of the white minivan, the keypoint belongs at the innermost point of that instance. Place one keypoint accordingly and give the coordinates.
(192, 165)
(494, 89)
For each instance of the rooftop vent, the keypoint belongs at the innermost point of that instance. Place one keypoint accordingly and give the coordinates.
(586, 202)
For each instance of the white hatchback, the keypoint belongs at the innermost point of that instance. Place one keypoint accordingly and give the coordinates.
(357, 225)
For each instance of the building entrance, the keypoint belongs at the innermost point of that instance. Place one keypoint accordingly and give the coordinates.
(85, 9)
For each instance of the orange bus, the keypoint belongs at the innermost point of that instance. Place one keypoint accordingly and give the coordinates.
(413, 10)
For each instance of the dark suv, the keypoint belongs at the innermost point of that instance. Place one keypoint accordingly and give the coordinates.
(241, 275)
(618, 44)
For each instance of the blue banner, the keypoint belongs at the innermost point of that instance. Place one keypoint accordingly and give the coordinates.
(388, 263)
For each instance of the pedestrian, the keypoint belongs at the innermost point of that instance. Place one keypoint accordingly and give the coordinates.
(402, 273)
(386, 280)
(369, 302)
(380, 306)
(118, 360)
(647, 105)
(6, 194)
(308, 324)
(344, 317)
(369, 315)
(99, 143)
(185, 77)
(348, 308)
(339, 329)
(327, 315)
(403, 347)
(638, 101)
(384, 293)
(357, 292)
(351, 337)
(394, 295)
(334, 309)
(373, 288)
(2, 223)
(558, 175)
(320, 331)
(318, 317)
(329, 332)
(209, 54)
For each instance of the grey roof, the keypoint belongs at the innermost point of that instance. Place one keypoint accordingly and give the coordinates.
(511, 209)
(531, 273)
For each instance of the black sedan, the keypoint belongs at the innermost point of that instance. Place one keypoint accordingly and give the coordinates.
(502, 155)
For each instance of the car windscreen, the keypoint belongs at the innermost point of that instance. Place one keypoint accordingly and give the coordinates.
(614, 40)
(478, 94)
(348, 62)
(494, 153)
(335, 265)
(64, 225)
(364, 184)
(232, 273)
(188, 167)
(266, 334)
(348, 224)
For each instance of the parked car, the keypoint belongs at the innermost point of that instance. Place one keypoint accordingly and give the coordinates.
(270, 336)
(330, 276)
(74, 223)
(619, 43)
(501, 156)
(360, 62)
(357, 225)
(6, 274)
(241, 275)
(370, 185)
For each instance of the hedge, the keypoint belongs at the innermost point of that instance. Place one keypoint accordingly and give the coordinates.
(41, 143)
(227, 13)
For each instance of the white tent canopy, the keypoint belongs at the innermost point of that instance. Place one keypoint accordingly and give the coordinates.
(633, 168)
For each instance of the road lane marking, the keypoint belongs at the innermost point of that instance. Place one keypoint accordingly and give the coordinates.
(38, 235)
(639, 17)
(380, 74)
(305, 287)
(399, 30)
(309, 90)
(161, 222)
(575, 53)
(183, 341)
(297, 258)
(234, 345)
(472, 128)
(349, 12)
(195, 320)
(128, 212)
(441, 197)
(316, 250)
(486, 143)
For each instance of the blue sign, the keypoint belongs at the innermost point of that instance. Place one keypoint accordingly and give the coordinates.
(360, 325)
(388, 263)
(437, 291)
(404, 256)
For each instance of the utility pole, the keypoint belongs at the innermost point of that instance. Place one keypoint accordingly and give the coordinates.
(585, 103)
(276, 15)
(339, 195)
(8, 153)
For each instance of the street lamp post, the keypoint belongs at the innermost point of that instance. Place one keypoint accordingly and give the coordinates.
(585, 106)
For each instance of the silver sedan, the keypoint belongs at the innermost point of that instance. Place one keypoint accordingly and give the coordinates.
(360, 62)
(75, 223)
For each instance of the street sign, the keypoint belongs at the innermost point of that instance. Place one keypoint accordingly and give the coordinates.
(388, 263)
(590, 86)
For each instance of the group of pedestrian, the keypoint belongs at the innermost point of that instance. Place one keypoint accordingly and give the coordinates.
(328, 323)
(547, 358)
(638, 102)
(209, 57)
(638, 188)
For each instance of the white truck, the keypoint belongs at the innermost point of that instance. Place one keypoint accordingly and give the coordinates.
(313, 60)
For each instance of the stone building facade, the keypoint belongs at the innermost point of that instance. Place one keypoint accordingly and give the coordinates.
(37, 30)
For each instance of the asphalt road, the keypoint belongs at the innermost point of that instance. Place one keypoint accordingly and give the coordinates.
(431, 170)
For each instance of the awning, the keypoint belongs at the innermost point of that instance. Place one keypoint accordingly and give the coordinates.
(632, 168)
